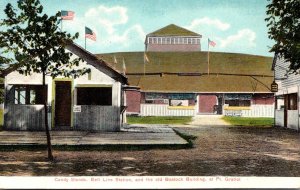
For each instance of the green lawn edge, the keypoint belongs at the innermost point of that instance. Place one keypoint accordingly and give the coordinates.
(249, 121)
(159, 119)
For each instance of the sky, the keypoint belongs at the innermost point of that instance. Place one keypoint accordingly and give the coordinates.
(236, 26)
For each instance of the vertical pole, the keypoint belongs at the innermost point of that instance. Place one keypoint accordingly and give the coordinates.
(49, 146)
(85, 43)
(61, 24)
(298, 107)
(208, 57)
(144, 67)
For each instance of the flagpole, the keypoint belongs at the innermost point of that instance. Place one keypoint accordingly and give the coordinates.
(144, 66)
(60, 21)
(144, 62)
(208, 57)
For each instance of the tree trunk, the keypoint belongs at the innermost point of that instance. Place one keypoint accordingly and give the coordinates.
(49, 146)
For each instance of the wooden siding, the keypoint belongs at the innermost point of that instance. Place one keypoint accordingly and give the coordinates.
(163, 110)
(281, 69)
(292, 119)
(24, 117)
(97, 118)
(279, 118)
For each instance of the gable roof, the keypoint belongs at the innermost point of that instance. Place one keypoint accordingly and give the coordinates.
(99, 63)
(86, 56)
(187, 71)
(173, 30)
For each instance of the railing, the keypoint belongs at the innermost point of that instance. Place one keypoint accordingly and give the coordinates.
(97, 118)
(166, 110)
(24, 117)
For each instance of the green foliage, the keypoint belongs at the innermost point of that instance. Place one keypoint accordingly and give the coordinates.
(248, 121)
(284, 27)
(36, 42)
(159, 120)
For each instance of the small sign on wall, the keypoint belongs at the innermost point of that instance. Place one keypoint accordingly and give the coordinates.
(274, 87)
(76, 109)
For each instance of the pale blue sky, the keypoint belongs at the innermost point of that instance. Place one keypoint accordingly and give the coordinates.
(121, 25)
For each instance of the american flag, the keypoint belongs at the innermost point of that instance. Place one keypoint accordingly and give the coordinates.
(211, 43)
(146, 59)
(124, 67)
(90, 34)
(67, 15)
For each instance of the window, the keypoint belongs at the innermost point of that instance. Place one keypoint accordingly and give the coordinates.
(29, 94)
(180, 40)
(291, 101)
(163, 40)
(185, 41)
(155, 40)
(168, 40)
(94, 96)
(159, 40)
(238, 102)
(198, 41)
(189, 40)
(150, 40)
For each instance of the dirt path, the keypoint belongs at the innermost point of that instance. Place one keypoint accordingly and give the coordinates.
(208, 120)
(229, 151)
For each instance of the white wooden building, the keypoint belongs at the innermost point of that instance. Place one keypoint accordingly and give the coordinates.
(287, 98)
(92, 102)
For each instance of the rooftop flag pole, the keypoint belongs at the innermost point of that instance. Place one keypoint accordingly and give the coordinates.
(89, 34)
(146, 60)
(208, 57)
(124, 67)
(213, 44)
(66, 15)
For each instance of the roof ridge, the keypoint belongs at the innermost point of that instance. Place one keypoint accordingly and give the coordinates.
(173, 30)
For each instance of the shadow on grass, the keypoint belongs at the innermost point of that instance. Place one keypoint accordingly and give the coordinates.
(9, 148)
(189, 138)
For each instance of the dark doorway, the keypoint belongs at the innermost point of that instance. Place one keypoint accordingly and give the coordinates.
(62, 105)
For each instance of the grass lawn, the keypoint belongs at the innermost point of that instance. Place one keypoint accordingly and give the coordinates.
(159, 120)
(248, 121)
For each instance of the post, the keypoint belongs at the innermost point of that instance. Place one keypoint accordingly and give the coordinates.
(208, 57)
(61, 24)
(49, 146)
(298, 106)
(85, 43)
(144, 67)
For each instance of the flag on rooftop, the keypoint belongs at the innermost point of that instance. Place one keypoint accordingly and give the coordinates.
(146, 59)
(211, 43)
(67, 15)
(124, 67)
(115, 60)
(90, 34)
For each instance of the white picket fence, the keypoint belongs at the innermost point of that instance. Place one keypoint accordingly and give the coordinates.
(254, 111)
(164, 110)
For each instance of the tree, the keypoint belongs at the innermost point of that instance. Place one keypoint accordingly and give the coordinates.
(284, 27)
(37, 45)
